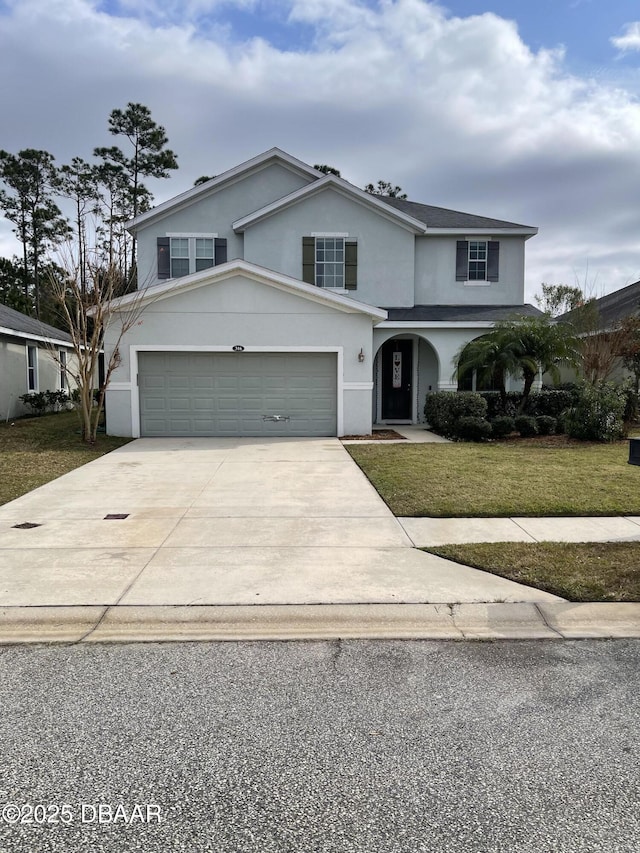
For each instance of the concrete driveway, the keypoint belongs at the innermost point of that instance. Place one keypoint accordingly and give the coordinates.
(217, 521)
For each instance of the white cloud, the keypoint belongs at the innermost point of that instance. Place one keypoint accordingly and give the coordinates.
(630, 40)
(459, 111)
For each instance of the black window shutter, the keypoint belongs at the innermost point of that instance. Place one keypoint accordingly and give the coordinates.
(493, 260)
(462, 260)
(164, 257)
(309, 260)
(350, 266)
(220, 249)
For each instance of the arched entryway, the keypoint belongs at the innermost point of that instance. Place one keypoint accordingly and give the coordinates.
(405, 369)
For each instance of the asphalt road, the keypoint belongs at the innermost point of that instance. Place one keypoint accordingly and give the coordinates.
(321, 746)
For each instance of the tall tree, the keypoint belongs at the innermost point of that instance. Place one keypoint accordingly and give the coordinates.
(385, 188)
(203, 179)
(77, 181)
(30, 177)
(327, 170)
(149, 156)
(12, 289)
(113, 209)
(559, 298)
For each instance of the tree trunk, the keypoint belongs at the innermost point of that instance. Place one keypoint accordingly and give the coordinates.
(529, 377)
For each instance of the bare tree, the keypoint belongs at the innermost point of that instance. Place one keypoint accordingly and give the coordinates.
(601, 345)
(87, 305)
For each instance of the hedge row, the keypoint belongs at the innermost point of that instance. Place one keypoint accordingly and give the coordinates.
(545, 402)
(591, 413)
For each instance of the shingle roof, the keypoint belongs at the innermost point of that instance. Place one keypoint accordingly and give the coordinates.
(614, 306)
(441, 217)
(18, 322)
(460, 313)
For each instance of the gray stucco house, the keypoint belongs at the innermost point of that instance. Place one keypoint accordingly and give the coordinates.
(32, 358)
(283, 301)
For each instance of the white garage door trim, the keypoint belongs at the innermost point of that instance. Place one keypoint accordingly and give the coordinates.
(133, 361)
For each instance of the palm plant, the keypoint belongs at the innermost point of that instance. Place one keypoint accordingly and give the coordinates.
(523, 346)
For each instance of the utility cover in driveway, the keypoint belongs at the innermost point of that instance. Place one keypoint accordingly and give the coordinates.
(237, 394)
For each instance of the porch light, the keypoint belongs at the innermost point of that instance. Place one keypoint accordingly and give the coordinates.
(361, 355)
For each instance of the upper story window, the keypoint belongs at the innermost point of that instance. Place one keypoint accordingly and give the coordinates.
(477, 261)
(32, 368)
(330, 261)
(183, 254)
(190, 254)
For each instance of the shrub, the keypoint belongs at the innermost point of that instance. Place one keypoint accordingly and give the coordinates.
(502, 425)
(494, 403)
(442, 409)
(548, 401)
(57, 400)
(36, 401)
(42, 401)
(598, 414)
(546, 424)
(526, 426)
(471, 428)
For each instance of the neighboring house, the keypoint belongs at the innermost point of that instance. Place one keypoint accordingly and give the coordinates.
(282, 301)
(609, 312)
(32, 358)
(614, 307)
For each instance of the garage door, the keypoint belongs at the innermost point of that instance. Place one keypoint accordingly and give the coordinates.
(237, 394)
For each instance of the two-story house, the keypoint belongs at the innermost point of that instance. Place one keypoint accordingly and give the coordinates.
(283, 301)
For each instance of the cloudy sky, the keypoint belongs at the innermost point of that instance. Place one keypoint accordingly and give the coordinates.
(507, 108)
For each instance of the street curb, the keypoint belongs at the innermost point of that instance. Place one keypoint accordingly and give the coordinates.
(491, 621)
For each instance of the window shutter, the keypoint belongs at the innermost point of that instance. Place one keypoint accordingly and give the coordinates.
(350, 266)
(164, 257)
(220, 250)
(493, 257)
(462, 260)
(309, 260)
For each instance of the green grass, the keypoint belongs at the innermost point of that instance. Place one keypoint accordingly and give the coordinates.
(587, 571)
(34, 451)
(503, 479)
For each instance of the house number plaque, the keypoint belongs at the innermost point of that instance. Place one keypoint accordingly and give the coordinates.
(238, 348)
(397, 370)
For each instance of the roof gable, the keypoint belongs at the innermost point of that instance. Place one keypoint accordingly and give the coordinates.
(213, 275)
(327, 183)
(273, 155)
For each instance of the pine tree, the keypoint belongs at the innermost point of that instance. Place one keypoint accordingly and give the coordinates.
(30, 178)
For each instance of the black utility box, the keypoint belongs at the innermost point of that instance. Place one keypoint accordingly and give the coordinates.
(634, 451)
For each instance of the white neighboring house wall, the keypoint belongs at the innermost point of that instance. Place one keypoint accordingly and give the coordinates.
(27, 365)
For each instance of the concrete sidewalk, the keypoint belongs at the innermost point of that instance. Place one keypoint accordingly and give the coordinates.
(180, 538)
(425, 532)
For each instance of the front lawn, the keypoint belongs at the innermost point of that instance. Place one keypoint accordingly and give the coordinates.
(34, 451)
(503, 479)
(586, 571)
